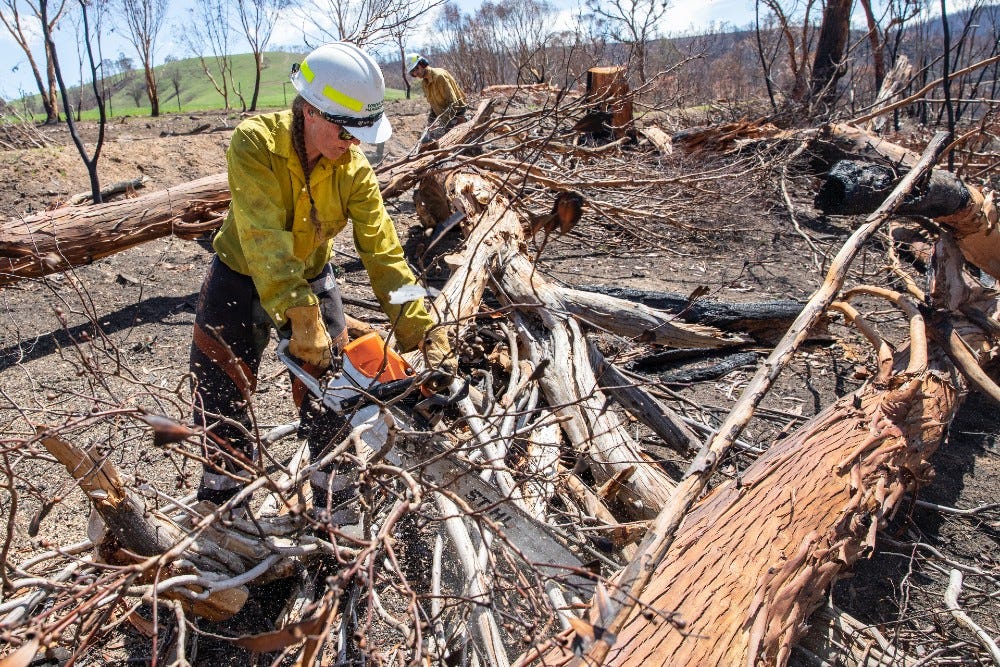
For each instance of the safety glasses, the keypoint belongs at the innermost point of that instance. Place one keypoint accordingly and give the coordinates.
(343, 135)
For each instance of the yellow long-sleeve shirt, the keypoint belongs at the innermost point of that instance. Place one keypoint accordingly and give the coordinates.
(443, 94)
(268, 234)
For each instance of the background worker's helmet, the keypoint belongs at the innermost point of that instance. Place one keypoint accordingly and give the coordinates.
(412, 60)
(345, 84)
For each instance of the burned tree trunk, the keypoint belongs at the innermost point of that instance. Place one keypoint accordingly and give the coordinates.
(74, 236)
(860, 187)
(828, 65)
(853, 187)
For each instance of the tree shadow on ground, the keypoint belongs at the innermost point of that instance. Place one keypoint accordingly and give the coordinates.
(153, 309)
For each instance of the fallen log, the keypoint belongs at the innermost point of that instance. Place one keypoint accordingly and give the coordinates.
(661, 419)
(840, 141)
(853, 187)
(716, 366)
(765, 321)
(627, 317)
(722, 137)
(75, 236)
(799, 515)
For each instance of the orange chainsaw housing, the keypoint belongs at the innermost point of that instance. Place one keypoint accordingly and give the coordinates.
(370, 355)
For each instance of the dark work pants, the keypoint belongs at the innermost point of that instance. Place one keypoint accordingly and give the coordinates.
(231, 331)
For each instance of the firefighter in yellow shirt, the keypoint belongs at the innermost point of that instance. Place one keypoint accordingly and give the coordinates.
(446, 99)
(297, 179)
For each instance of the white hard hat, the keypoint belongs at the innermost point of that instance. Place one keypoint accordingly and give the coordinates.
(345, 84)
(412, 60)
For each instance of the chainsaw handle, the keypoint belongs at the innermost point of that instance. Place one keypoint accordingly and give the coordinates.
(458, 389)
(381, 392)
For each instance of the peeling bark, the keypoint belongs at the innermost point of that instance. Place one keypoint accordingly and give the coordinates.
(754, 558)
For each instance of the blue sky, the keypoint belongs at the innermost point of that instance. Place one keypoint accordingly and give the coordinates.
(15, 74)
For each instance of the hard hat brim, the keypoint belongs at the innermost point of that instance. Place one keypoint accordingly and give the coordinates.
(376, 134)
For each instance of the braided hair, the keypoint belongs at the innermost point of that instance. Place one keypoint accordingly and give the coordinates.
(299, 144)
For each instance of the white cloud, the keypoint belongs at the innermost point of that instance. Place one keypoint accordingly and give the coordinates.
(696, 16)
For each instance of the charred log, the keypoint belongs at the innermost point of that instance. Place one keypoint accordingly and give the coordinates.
(854, 188)
(765, 321)
(713, 370)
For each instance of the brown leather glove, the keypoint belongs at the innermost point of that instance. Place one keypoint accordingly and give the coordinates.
(310, 341)
(438, 351)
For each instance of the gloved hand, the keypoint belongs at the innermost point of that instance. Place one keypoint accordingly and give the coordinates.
(310, 341)
(438, 351)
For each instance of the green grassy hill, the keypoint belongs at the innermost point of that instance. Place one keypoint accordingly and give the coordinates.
(196, 91)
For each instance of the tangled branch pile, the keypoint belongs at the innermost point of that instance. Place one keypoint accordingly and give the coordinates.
(592, 547)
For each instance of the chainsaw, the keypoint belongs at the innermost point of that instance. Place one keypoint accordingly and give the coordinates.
(371, 377)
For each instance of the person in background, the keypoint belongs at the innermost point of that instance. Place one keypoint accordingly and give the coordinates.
(446, 99)
(297, 179)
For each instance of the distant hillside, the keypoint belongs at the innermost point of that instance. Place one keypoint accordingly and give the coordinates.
(985, 22)
(196, 91)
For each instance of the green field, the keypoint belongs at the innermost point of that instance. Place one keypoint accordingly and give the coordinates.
(197, 92)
